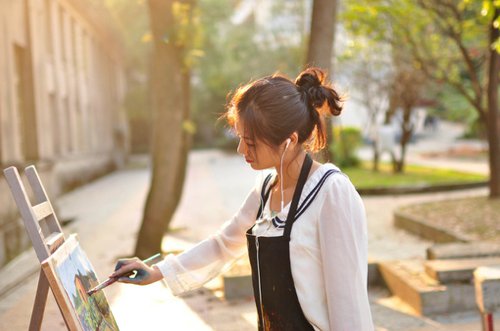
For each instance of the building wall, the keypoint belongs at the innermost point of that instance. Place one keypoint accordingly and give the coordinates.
(61, 88)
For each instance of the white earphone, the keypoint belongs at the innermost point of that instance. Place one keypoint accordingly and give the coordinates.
(288, 141)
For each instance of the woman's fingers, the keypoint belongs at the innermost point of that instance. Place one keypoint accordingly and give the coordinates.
(129, 280)
(134, 271)
(140, 276)
(122, 262)
(124, 266)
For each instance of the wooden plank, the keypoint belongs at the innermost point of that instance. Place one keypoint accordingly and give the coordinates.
(42, 210)
(36, 184)
(46, 236)
(54, 240)
(41, 196)
(40, 302)
(24, 205)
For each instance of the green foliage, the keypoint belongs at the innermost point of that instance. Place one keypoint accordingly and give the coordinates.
(221, 55)
(403, 23)
(487, 11)
(475, 129)
(233, 54)
(187, 33)
(453, 52)
(364, 177)
(346, 141)
(453, 107)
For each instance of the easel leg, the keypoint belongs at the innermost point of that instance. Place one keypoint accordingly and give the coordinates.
(40, 301)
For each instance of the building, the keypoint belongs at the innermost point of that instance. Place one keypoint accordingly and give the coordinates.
(62, 82)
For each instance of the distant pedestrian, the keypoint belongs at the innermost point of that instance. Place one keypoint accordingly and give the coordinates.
(304, 226)
(431, 122)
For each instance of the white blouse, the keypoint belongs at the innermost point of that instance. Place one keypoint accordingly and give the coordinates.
(328, 252)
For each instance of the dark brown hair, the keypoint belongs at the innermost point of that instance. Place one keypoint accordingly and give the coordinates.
(274, 107)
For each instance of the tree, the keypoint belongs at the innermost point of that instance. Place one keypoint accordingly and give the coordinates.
(405, 92)
(172, 34)
(230, 55)
(388, 81)
(372, 74)
(466, 26)
(236, 51)
(462, 26)
(455, 52)
(320, 50)
(493, 110)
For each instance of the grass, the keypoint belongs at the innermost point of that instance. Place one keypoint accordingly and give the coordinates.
(364, 177)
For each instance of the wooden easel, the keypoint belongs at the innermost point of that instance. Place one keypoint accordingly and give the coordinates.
(43, 229)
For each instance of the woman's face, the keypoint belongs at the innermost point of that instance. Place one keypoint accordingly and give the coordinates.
(258, 154)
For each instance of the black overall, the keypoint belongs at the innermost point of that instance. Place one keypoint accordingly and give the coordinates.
(277, 304)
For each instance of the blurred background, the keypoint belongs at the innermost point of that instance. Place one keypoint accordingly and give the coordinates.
(117, 104)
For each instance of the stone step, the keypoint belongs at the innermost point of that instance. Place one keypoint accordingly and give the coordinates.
(237, 280)
(407, 280)
(468, 250)
(487, 285)
(457, 270)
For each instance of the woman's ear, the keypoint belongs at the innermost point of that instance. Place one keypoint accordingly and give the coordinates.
(294, 139)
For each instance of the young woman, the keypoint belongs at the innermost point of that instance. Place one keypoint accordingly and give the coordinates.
(304, 227)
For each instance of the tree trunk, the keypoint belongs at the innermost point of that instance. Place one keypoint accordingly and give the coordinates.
(391, 110)
(406, 132)
(493, 122)
(376, 157)
(320, 52)
(322, 34)
(169, 88)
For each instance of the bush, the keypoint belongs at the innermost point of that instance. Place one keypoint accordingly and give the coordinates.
(346, 141)
(475, 130)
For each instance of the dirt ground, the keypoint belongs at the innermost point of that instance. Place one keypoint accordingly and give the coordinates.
(474, 217)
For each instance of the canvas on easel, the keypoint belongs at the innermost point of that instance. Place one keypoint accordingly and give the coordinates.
(71, 275)
(66, 269)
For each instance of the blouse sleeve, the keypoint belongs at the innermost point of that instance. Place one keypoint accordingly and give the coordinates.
(344, 244)
(199, 264)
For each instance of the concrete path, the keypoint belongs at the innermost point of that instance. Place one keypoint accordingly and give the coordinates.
(107, 215)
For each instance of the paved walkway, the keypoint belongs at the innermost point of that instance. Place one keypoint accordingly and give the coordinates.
(107, 215)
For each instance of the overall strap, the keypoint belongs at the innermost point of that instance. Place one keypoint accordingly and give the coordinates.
(264, 195)
(304, 172)
(312, 195)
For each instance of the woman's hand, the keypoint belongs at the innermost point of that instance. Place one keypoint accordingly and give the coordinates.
(134, 271)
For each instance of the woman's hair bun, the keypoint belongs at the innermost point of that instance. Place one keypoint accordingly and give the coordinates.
(316, 90)
(310, 78)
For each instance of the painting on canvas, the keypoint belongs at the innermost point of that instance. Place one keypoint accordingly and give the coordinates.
(70, 270)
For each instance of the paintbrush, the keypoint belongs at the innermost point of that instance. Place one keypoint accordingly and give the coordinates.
(111, 280)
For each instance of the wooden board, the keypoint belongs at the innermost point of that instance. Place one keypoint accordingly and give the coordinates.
(71, 275)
